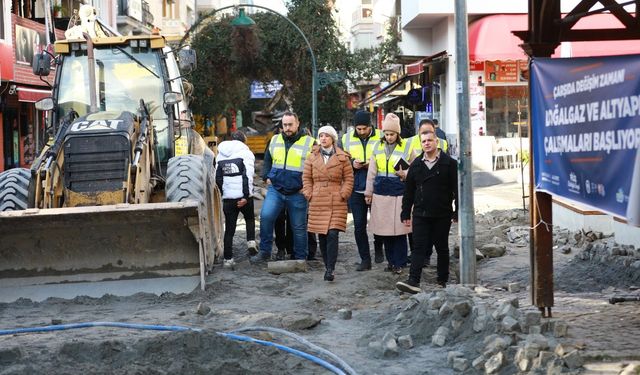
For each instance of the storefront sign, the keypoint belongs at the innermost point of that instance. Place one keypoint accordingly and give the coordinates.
(476, 66)
(414, 96)
(586, 129)
(501, 71)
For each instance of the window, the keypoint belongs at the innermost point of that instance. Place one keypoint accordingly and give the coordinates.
(506, 109)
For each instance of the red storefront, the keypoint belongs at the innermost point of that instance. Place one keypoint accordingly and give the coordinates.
(22, 126)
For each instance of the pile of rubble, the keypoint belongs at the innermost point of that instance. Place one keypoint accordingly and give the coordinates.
(484, 335)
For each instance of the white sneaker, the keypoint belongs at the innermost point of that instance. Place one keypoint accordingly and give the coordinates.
(252, 247)
(229, 263)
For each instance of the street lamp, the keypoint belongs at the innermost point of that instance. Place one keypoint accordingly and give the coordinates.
(242, 20)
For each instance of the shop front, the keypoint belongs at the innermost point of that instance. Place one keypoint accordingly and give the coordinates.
(22, 134)
(498, 84)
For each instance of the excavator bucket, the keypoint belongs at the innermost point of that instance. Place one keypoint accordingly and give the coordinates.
(62, 252)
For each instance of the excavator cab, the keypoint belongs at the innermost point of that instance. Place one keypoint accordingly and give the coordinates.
(124, 189)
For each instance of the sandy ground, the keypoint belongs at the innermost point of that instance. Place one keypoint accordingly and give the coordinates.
(302, 303)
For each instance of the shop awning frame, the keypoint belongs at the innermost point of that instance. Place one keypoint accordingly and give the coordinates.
(411, 70)
(385, 91)
(31, 95)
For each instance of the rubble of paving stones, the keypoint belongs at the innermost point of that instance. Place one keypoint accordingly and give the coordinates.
(597, 254)
(482, 335)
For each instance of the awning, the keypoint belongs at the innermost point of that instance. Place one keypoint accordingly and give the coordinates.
(491, 38)
(385, 90)
(29, 95)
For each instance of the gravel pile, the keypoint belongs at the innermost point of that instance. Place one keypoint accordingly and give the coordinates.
(482, 335)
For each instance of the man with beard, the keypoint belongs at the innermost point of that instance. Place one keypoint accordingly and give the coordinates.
(284, 161)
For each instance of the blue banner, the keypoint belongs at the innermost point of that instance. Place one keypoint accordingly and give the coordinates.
(585, 115)
(264, 90)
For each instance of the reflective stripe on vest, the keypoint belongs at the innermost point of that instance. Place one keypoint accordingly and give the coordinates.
(292, 159)
(384, 165)
(353, 145)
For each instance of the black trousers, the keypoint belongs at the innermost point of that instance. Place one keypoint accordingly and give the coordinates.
(429, 232)
(231, 211)
(284, 237)
(284, 234)
(329, 248)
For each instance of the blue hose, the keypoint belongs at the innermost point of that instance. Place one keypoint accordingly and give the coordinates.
(287, 349)
(63, 327)
(344, 365)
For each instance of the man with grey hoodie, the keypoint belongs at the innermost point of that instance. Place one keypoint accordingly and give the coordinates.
(234, 177)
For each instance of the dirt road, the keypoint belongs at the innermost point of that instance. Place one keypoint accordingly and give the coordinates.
(305, 304)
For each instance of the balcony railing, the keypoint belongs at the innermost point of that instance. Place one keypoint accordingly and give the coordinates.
(147, 17)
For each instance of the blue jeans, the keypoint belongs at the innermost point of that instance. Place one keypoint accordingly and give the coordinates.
(296, 206)
(359, 209)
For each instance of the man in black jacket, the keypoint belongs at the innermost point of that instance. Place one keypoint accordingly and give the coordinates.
(431, 188)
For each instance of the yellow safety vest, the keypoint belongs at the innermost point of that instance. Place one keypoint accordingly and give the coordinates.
(293, 159)
(352, 144)
(416, 144)
(384, 165)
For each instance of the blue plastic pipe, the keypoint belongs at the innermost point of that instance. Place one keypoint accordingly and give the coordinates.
(287, 349)
(63, 327)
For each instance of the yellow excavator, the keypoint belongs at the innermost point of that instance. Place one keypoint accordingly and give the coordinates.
(124, 189)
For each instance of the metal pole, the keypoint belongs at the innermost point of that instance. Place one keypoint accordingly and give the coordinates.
(466, 226)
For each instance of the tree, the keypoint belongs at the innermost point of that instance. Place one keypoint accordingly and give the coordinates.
(276, 51)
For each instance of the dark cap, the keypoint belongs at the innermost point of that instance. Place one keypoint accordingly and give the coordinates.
(239, 136)
(362, 118)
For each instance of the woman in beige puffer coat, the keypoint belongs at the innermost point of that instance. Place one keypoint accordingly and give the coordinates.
(327, 183)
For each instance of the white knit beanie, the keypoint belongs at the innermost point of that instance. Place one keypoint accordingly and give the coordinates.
(391, 123)
(330, 131)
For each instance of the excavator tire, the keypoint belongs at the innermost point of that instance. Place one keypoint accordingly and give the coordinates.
(189, 178)
(14, 189)
(185, 179)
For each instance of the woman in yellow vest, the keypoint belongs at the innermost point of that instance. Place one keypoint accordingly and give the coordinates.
(385, 187)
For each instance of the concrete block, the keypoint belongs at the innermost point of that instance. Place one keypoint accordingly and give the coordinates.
(560, 328)
(456, 324)
(535, 329)
(478, 363)
(513, 287)
(539, 339)
(453, 355)
(440, 337)
(462, 308)
(573, 360)
(479, 323)
(390, 349)
(445, 309)
(532, 318)
(345, 314)
(203, 309)
(509, 324)
(524, 364)
(460, 364)
(287, 266)
(435, 302)
(494, 346)
(542, 359)
(493, 364)
(405, 342)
